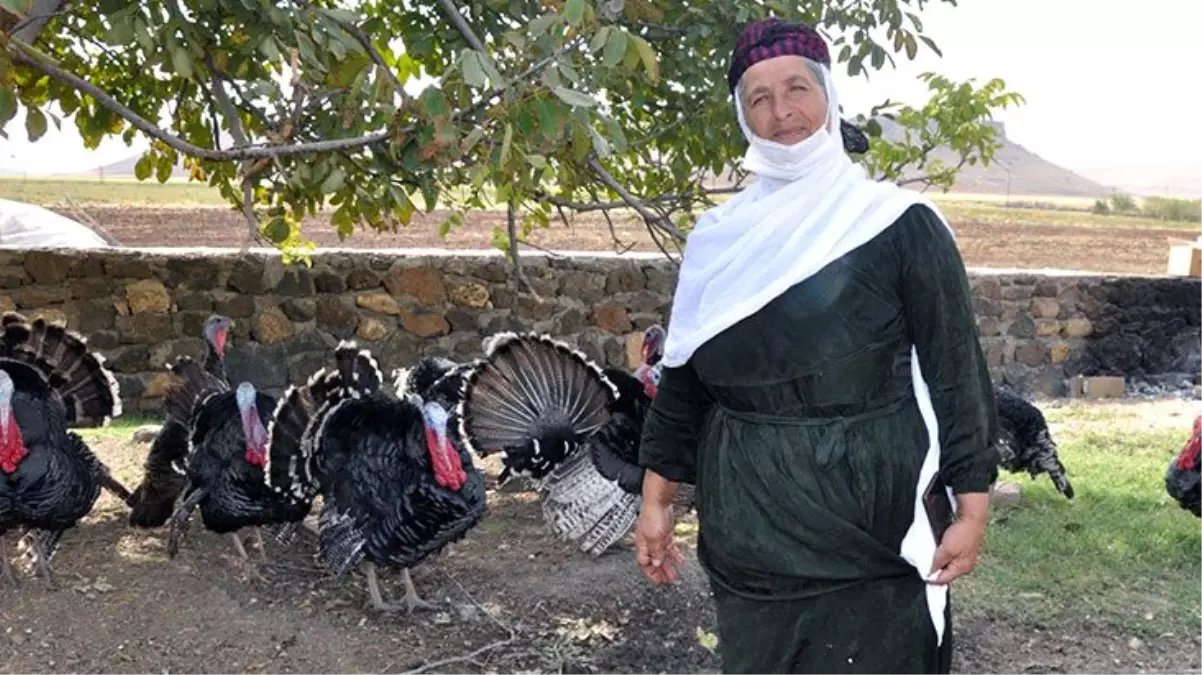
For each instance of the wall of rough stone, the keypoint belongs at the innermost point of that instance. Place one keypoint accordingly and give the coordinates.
(142, 308)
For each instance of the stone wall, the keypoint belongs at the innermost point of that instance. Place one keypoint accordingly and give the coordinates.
(142, 308)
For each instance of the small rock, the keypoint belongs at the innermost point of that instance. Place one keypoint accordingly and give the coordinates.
(1135, 643)
(272, 327)
(1005, 494)
(146, 433)
(470, 295)
(421, 283)
(371, 329)
(613, 319)
(379, 302)
(424, 324)
(148, 295)
(1078, 327)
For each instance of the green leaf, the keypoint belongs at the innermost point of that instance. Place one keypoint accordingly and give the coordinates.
(647, 55)
(122, 30)
(8, 105)
(35, 124)
(165, 164)
(931, 43)
(615, 48)
(334, 182)
(506, 144)
(181, 61)
(600, 38)
(537, 161)
(911, 46)
(574, 98)
(473, 69)
(600, 145)
(573, 11)
(18, 7)
(277, 230)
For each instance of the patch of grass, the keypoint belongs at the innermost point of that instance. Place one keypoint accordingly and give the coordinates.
(1124, 556)
(961, 210)
(51, 192)
(121, 428)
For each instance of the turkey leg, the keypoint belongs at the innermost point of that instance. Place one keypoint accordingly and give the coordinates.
(412, 601)
(6, 570)
(43, 562)
(244, 561)
(180, 517)
(262, 546)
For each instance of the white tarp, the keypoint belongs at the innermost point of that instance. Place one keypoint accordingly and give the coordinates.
(28, 226)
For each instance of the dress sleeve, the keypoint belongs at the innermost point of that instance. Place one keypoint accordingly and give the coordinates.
(673, 426)
(938, 308)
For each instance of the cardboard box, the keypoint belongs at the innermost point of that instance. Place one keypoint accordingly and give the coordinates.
(1097, 387)
(1185, 258)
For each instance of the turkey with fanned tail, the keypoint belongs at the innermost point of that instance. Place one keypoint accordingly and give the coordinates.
(49, 479)
(395, 489)
(573, 426)
(1025, 443)
(164, 479)
(226, 460)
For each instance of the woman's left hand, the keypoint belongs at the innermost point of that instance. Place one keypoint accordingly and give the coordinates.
(957, 554)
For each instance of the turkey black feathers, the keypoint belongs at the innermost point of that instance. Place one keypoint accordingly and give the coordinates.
(1183, 477)
(163, 479)
(395, 488)
(1025, 444)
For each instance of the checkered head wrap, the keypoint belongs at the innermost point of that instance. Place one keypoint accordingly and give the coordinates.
(772, 37)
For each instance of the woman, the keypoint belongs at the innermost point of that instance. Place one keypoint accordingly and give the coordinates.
(822, 372)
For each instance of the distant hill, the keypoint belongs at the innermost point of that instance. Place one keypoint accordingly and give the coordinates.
(1026, 172)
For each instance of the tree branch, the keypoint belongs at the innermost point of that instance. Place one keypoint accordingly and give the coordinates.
(239, 134)
(632, 201)
(512, 224)
(462, 26)
(28, 29)
(22, 54)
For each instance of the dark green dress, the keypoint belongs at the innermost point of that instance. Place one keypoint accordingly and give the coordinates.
(800, 428)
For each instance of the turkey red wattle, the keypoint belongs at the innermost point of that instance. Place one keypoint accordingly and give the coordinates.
(12, 446)
(252, 426)
(1189, 458)
(448, 470)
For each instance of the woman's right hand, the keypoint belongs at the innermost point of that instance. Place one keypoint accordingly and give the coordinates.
(655, 543)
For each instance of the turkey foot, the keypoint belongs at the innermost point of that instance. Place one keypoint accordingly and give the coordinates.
(261, 545)
(242, 560)
(6, 570)
(411, 599)
(42, 563)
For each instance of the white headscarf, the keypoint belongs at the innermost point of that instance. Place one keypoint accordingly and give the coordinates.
(810, 206)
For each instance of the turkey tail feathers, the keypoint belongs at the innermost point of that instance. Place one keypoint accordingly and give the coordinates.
(582, 505)
(77, 373)
(358, 368)
(297, 423)
(1047, 459)
(528, 386)
(289, 471)
(190, 385)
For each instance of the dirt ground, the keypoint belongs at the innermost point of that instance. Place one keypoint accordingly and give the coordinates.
(513, 600)
(1006, 245)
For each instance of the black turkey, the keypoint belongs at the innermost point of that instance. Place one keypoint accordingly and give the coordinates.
(1025, 444)
(226, 460)
(1183, 478)
(395, 489)
(559, 418)
(49, 478)
(154, 498)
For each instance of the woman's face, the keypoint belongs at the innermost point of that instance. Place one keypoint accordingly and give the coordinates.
(782, 101)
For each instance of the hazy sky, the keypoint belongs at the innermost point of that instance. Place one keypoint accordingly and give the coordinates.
(1107, 87)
